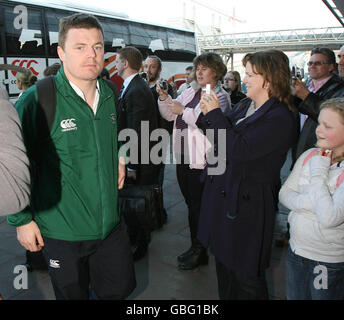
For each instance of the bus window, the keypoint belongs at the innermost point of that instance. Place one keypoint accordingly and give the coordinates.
(23, 39)
(159, 39)
(176, 40)
(115, 34)
(1, 24)
(118, 42)
(52, 18)
(190, 44)
(139, 36)
(156, 44)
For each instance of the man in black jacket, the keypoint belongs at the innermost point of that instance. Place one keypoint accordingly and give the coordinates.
(135, 106)
(322, 85)
(153, 67)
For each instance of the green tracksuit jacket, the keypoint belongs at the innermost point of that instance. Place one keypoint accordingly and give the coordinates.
(74, 166)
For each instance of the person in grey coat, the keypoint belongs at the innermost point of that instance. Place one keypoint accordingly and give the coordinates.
(14, 164)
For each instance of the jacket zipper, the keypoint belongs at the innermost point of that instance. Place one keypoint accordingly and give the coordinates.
(98, 162)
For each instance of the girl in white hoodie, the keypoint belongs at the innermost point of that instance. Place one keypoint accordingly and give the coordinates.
(314, 192)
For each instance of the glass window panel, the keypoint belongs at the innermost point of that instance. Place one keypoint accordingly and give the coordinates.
(2, 22)
(23, 30)
(53, 17)
(179, 40)
(115, 33)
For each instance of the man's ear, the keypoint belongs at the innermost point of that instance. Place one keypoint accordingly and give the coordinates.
(60, 53)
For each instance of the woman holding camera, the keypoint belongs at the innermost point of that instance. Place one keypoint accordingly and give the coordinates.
(238, 207)
(189, 144)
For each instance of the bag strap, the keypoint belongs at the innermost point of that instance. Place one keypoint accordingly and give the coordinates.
(114, 89)
(46, 92)
(310, 155)
(340, 179)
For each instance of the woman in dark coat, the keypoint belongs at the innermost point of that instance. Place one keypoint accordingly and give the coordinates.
(239, 206)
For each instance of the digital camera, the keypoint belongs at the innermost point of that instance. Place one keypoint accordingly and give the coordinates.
(297, 73)
(143, 75)
(163, 84)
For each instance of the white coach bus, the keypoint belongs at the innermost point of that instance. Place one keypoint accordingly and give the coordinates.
(29, 33)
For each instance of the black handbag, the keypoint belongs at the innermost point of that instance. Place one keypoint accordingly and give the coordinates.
(142, 204)
(137, 206)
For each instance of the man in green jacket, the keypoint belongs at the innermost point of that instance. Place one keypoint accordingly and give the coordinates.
(73, 215)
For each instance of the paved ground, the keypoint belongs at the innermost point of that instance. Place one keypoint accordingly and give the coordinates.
(157, 275)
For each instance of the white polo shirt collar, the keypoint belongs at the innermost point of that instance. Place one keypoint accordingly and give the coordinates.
(82, 96)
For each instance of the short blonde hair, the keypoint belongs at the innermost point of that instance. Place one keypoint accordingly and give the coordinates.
(335, 104)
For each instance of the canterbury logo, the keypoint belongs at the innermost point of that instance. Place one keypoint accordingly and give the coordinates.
(54, 264)
(68, 125)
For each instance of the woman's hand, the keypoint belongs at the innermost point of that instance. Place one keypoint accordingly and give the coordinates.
(163, 94)
(209, 102)
(176, 107)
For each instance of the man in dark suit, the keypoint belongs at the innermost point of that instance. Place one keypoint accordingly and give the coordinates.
(323, 84)
(135, 106)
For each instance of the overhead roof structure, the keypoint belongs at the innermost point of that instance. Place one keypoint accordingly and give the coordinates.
(337, 9)
(286, 40)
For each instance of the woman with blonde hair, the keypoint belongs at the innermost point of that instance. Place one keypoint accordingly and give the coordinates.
(239, 207)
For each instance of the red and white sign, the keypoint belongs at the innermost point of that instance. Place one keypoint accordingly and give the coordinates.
(36, 65)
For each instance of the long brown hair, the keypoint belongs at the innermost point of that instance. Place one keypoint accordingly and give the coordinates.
(273, 66)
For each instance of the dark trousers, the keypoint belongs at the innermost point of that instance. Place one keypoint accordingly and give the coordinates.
(191, 188)
(106, 266)
(234, 286)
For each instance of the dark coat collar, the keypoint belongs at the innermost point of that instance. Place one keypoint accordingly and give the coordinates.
(242, 109)
(132, 83)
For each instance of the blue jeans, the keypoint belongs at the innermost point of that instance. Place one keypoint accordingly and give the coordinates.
(313, 280)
